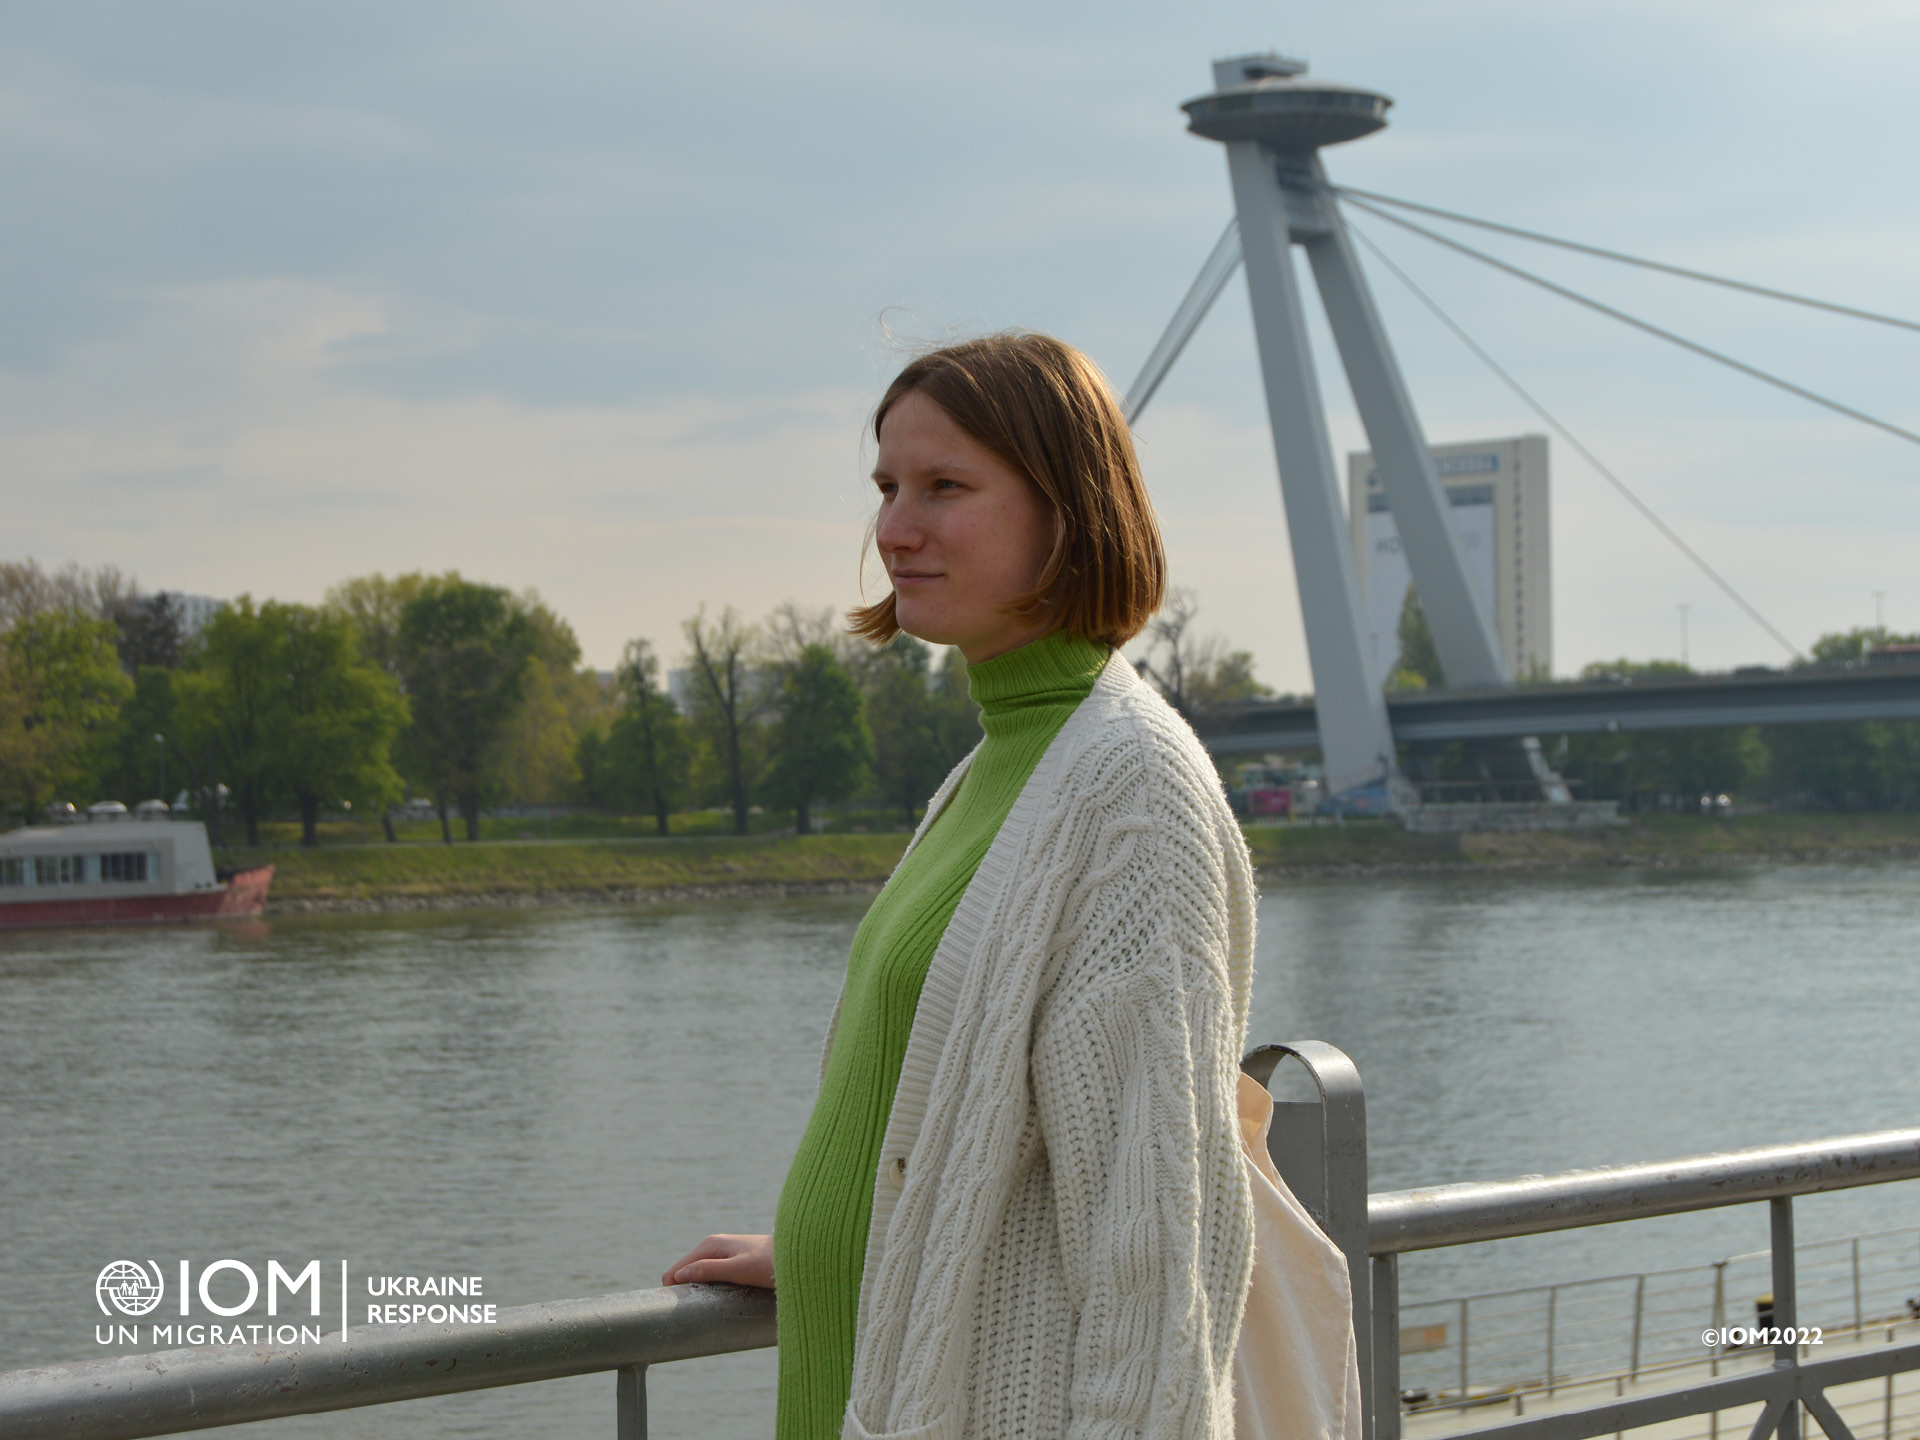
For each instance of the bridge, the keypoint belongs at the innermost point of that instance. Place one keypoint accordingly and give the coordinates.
(1794, 697)
(1272, 120)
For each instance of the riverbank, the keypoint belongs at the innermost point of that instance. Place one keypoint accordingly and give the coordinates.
(1643, 842)
(358, 878)
(367, 878)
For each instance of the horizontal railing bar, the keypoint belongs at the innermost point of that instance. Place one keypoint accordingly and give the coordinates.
(1442, 1215)
(1727, 1393)
(164, 1392)
(1808, 1267)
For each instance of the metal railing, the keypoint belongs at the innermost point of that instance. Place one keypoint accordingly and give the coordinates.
(1529, 1342)
(175, 1390)
(1439, 1216)
(1319, 1146)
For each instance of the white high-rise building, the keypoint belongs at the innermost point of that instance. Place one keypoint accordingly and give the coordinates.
(1498, 496)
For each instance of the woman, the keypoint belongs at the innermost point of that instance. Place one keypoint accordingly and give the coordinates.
(1019, 1209)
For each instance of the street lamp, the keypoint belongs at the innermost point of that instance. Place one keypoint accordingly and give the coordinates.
(161, 742)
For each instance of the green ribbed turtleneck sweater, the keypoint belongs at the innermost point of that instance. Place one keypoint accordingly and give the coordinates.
(820, 1231)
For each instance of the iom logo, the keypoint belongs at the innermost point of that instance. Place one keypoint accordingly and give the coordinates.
(129, 1289)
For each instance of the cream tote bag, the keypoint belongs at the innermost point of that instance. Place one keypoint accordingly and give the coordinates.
(1296, 1372)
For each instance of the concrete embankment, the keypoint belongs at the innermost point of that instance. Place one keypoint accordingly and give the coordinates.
(368, 878)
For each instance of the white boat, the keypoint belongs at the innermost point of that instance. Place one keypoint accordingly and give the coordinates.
(107, 866)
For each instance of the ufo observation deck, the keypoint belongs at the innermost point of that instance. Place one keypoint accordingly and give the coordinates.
(1288, 113)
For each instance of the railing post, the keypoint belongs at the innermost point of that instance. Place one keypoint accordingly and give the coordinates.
(630, 1403)
(1320, 1150)
(1385, 1390)
(1719, 1322)
(1858, 1320)
(1785, 1310)
(1639, 1309)
(1553, 1314)
(1463, 1349)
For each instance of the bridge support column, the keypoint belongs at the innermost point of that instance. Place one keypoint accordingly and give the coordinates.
(1463, 632)
(1356, 744)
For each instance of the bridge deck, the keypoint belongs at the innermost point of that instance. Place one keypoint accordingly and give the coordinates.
(1797, 697)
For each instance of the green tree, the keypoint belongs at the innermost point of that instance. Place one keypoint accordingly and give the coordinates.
(227, 704)
(1833, 765)
(464, 650)
(908, 759)
(729, 697)
(1897, 757)
(645, 751)
(1642, 765)
(1191, 672)
(536, 752)
(150, 631)
(146, 749)
(820, 743)
(590, 757)
(1418, 663)
(1870, 763)
(61, 688)
(337, 719)
(956, 719)
(1842, 646)
(374, 604)
(1226, 680)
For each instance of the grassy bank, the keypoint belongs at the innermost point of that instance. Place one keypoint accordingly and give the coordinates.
(350, 875)
(491, 870)
(1663, 840)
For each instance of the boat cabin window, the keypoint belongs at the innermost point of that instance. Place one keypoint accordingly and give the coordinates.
(13, 871)
(128, 865)
(60, 870)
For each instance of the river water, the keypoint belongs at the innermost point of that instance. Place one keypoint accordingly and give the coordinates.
(562, 1101)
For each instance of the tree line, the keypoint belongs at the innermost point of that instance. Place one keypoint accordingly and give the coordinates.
(471, 696)
(463, 693)
(1870, 765)
(1859, 765)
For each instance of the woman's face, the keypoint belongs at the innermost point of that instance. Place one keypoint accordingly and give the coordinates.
(963, 533)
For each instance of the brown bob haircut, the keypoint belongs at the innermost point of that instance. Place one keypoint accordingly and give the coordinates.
(1042, 407)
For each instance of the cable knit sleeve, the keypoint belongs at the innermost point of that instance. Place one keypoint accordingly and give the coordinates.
(1134, 1061)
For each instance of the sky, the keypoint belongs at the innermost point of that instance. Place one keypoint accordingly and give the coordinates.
(596, 298)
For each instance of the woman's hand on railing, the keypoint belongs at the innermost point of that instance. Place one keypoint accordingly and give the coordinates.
(725, 1260)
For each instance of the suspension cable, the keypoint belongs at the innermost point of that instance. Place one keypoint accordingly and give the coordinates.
(1527, 399)
(1206, 288)
(1623, 258)
(1637, 323)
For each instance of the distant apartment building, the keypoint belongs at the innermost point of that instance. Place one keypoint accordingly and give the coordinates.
(680, 689)
(1499, 495)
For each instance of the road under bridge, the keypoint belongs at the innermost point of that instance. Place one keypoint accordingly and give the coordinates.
(1798, 697)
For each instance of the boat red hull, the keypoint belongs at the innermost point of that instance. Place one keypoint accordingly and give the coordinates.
(243, 896)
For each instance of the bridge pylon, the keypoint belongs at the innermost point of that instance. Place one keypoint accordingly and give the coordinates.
(1273, 121)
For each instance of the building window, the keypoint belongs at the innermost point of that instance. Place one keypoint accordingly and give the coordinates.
(127, 866)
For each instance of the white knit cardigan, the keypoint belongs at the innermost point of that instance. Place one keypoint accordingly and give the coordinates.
(1062, 1230)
